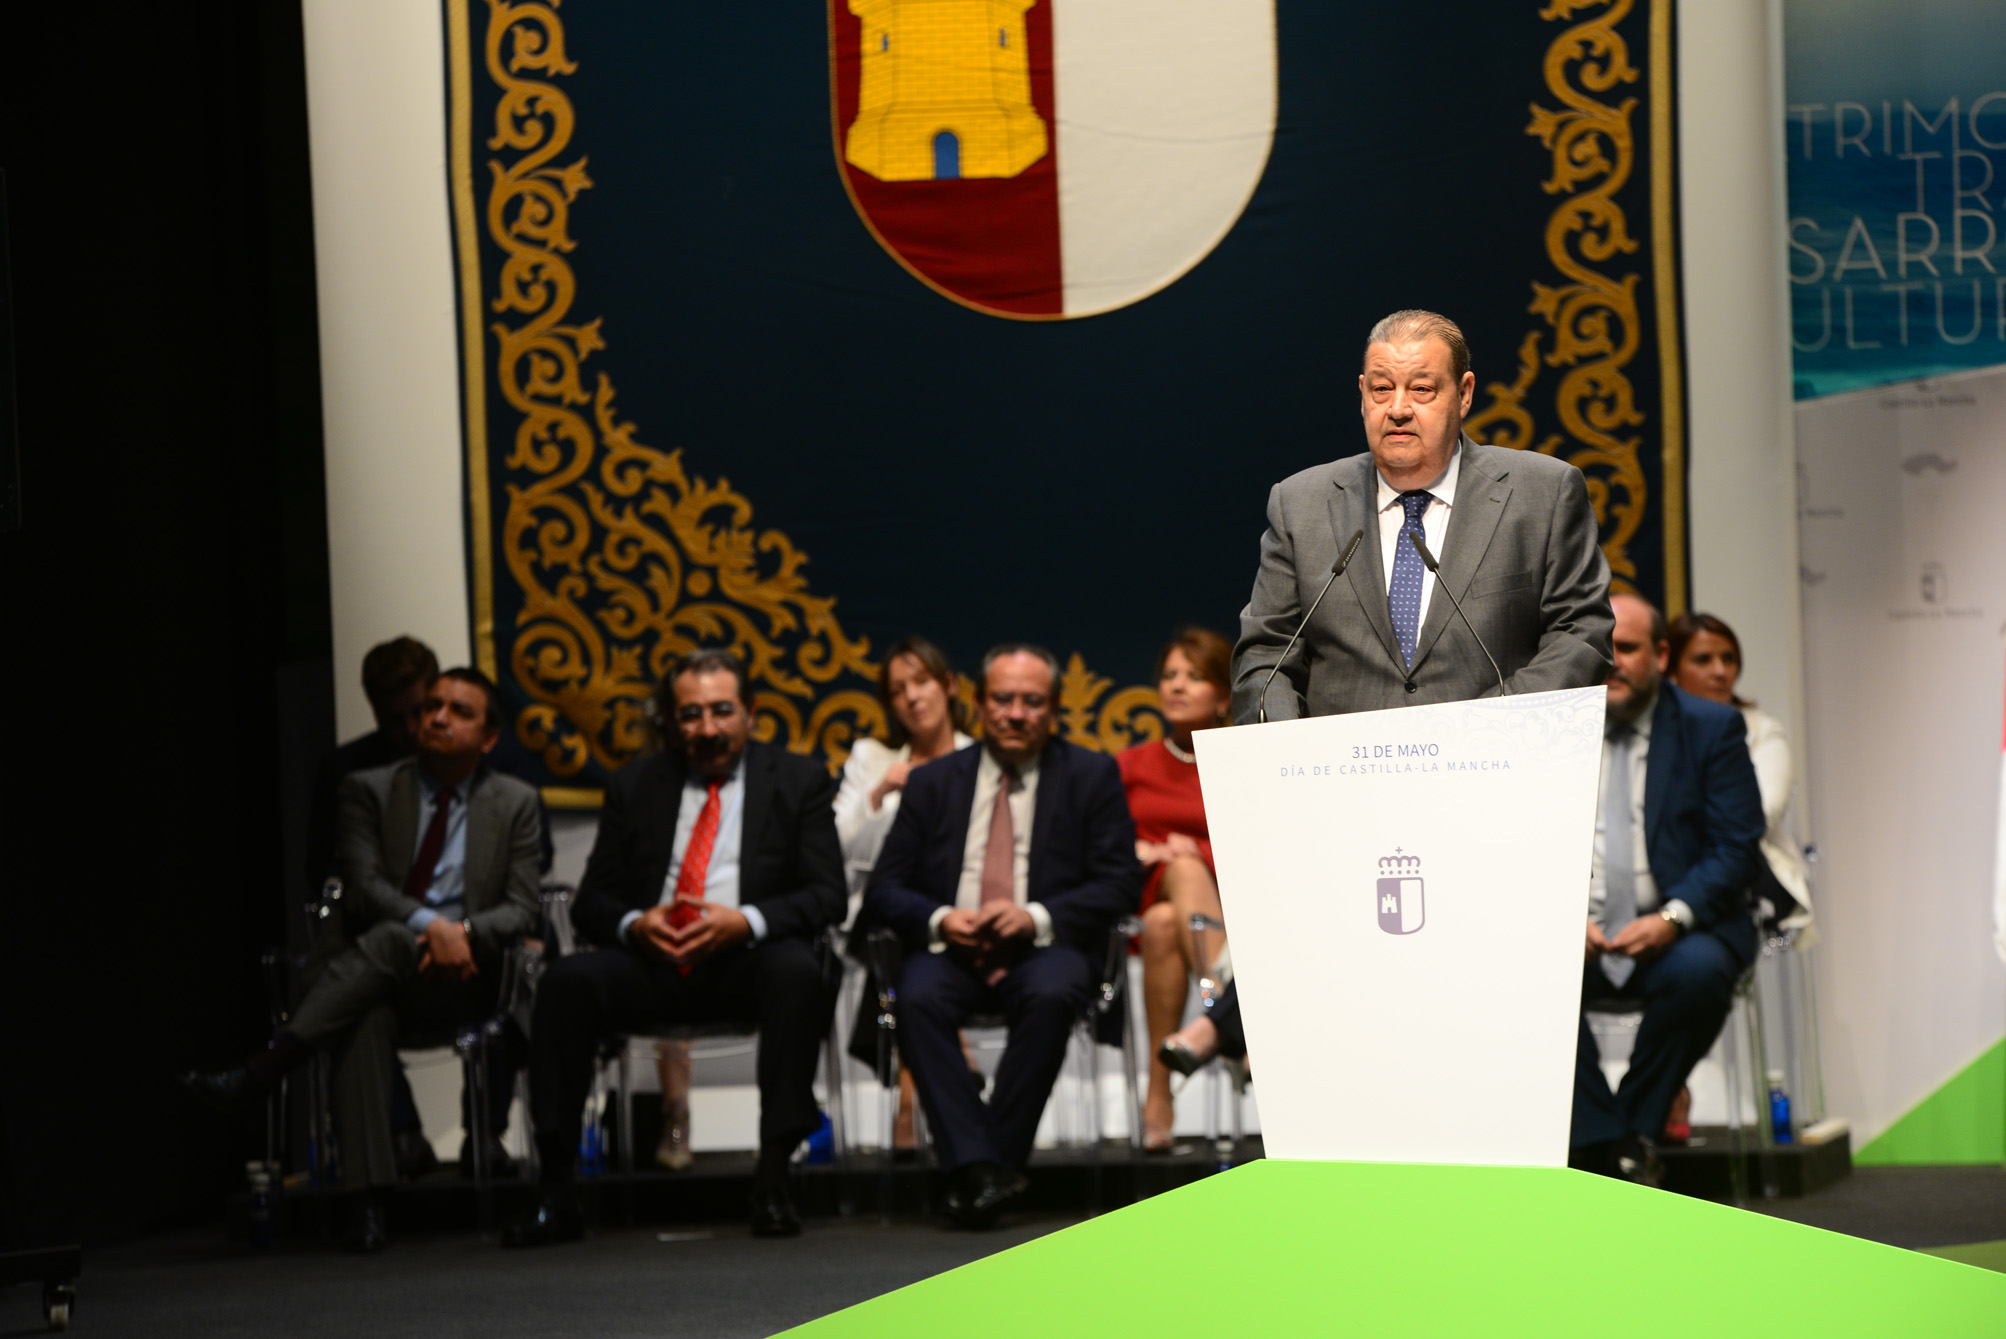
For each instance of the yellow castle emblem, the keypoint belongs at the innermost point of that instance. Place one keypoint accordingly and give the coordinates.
(945, 91)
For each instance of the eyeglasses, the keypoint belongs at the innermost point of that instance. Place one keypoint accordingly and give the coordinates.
(695, 711)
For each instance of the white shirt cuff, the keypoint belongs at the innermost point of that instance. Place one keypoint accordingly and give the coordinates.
(1680, 912)
(1043, 920)
(934, 943)
(757, 920)
(421, 918)
(626, 924)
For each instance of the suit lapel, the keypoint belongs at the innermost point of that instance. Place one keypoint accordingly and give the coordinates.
(400, 822)
(758, 809)
(959, 799)
(1351, 509)
(1051, 776)
(1663, 761)
(480, 881)
(1473, 519)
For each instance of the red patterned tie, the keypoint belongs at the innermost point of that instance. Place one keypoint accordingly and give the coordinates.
(696, 865)
(419, 880)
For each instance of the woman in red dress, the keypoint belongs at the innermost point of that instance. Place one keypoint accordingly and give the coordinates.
(1173, 844)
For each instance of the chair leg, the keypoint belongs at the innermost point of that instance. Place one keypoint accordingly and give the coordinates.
(1093, 1128)
(472, 1044)
(624, 1113)
(1128, 1067)
(1765, 1142)
(1737, 1138)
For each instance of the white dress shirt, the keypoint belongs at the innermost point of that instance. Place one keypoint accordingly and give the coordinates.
(720, 883)
(1434, 526)
(1023, 807)
(1640, 854)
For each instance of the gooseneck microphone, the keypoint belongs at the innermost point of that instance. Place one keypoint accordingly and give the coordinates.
(1336, 571)
(1428, 560)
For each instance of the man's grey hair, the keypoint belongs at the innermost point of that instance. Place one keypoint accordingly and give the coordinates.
(1406, 326)
(1001, 649)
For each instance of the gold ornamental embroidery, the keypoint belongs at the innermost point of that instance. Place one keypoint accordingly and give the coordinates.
(625, 559)
(1593, 326)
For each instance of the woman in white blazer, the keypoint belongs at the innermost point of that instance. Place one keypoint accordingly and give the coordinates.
(924, 714)
(1705, 661)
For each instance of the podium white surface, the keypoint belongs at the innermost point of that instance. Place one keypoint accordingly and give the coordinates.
(1406, 893)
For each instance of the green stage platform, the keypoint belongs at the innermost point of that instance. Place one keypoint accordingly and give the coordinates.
(1311, 1248)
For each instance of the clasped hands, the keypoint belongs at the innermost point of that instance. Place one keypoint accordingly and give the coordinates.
(716, 927)
(1645, 937)
(1163, 852)
(444, 948)
(987, 926)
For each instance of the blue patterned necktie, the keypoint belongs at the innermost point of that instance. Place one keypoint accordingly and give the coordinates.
(1403, 597)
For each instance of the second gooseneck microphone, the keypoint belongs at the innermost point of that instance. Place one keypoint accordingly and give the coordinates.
(1336, 571)
(1428, 561)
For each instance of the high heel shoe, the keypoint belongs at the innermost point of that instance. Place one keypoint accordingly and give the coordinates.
(673, 1153)
(1177, 1054)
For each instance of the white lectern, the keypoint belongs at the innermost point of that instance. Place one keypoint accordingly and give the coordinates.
(1406, 893)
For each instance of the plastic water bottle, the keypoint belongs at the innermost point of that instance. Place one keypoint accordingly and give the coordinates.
(822, 1144)
(264, 1205)
(1779, 1108)
(591, 1150)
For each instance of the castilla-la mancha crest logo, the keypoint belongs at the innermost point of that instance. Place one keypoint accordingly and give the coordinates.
(1040, 159)
(1402, 909)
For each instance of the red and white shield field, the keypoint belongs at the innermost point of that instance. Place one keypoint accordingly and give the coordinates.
(1051, 158)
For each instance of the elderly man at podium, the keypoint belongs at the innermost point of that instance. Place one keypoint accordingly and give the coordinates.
(1342, 577)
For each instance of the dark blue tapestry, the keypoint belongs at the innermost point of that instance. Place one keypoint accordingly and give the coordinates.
(707, 403)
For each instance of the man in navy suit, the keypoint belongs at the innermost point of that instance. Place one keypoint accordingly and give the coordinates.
(1002, 875)
(1676, 834)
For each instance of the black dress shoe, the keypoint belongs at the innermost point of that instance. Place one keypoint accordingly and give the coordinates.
(773, 1214)
(414, 1154)
(555, 1218)
(233, 1092)
(369, 1233)
(1630, 1158)
(500, 1165)
(981, 1192)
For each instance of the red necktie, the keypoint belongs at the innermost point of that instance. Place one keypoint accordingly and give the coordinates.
(420, 878)
(696, 865)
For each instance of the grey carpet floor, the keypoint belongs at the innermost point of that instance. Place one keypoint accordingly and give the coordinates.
(714, 1281)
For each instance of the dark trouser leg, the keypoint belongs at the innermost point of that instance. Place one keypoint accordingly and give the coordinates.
(580, 999)
(1043, 996)
(936, 992)
(362, 1057)
(780, 984)
(1687, 994)
(355, 981)
(403, 1106)
(1597, 1116)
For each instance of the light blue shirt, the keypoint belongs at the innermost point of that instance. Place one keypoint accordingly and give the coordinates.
(720, 883)
(447, 895)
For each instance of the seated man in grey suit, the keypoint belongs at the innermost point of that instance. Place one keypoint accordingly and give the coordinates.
(439, 860)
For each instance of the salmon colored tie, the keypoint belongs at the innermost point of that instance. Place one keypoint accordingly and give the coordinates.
(999, 871)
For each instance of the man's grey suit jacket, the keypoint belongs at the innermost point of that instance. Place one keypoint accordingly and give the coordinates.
(1520, 553)
(376, 838)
